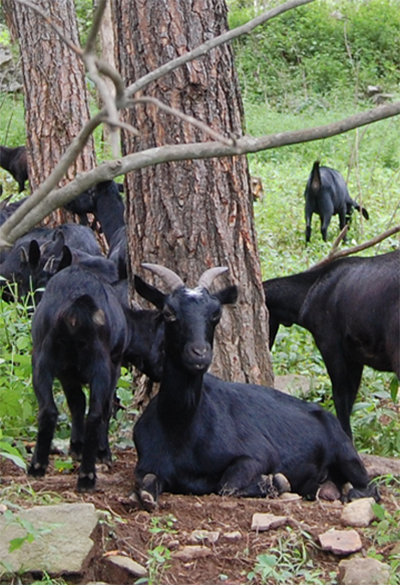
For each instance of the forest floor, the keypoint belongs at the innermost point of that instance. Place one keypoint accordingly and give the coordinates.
(229, 560)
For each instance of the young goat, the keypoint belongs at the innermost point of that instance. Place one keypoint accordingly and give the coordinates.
(14, 161)
(202, 435)
(351, 307)
(326, 194)
(81, 335)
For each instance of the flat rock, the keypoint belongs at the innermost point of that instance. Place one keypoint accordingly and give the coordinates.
(363, 572)
(341, 542)
(377, 466)
(232, 536)
(62, 538)
(190, 552)
(263, 522)
(128, 564)
(358, 513)
(210, 536)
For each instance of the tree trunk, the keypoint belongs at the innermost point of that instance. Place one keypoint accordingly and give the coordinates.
(193, 215)
(56, 105)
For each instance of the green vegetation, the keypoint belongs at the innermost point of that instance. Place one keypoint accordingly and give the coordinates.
(308, 67)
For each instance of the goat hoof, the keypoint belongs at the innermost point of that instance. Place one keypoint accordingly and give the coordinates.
(37, 470)
(147, 500)
(86, 483)
(328, 491)
(281, 483)
(75, 451)
(104, 457)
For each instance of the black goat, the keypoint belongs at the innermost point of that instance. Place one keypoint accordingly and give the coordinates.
(14, 161)
(202, 435)
(81, 335)
(326, 194)
(105, 203)
(27, 263)
(351, 307)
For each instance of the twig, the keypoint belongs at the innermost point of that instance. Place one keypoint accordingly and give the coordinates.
(334, 255)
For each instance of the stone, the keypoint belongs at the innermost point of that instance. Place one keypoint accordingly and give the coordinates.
(261, 522)
(232, 536)
(128, 564)
(363, 571)
(377, 466)
(290, 497)
(358, 513)
(61, 541)
(341, 542)
(191, 552)
(210, 536)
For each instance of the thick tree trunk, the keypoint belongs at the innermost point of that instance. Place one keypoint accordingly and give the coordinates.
(56, 105)
(193, 215)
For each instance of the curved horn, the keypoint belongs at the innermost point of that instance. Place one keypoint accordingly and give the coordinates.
(206, 279)
(169, 277)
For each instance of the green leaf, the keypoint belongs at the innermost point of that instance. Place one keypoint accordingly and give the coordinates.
(394, 388)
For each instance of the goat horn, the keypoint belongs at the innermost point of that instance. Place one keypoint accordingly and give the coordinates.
(169, 277)
(206, 279)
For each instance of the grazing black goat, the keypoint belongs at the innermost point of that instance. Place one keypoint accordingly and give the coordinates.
(351, 307)
(14, 161)
(81, 335)
(202, 435)
(326, 194)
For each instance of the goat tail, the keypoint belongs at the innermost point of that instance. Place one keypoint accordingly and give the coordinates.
(83, 314)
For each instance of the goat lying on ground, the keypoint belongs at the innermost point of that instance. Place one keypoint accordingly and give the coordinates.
(81, 335)
(351, 307)
(14, 161)
(326, 194)
(201, 435)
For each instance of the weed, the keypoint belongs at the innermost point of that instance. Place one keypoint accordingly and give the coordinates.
(159, 555)
(288, 562)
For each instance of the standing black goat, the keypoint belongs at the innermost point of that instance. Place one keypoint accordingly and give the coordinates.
(202, 435)
(81, 335)
(326, 194)
(14, 161)
(351, 307)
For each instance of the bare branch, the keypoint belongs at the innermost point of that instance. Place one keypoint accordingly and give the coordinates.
(334, 255)
(18, 224)
(90, 46)
(189, 119)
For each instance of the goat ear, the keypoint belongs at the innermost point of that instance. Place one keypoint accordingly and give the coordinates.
(228, 296)
(66, 259)
(34, 254)
(148, 292)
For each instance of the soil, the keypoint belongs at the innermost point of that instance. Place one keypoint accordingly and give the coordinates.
(229, 560)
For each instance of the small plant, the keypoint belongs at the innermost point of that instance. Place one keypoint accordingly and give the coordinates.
(159, 556)
(290, 561)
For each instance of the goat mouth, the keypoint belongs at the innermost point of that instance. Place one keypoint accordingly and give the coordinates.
(197, 367)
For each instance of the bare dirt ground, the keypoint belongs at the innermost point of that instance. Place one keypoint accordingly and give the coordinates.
(229, 560)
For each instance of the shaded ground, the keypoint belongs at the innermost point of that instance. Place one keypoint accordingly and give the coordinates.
(228, 561)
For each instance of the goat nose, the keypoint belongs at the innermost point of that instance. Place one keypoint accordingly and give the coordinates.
(199, 350)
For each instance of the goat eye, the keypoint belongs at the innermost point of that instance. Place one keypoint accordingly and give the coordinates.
(169, 315)
(216, 317)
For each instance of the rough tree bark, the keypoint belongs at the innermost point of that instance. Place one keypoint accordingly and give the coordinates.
(56, 105)
(192, 215)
